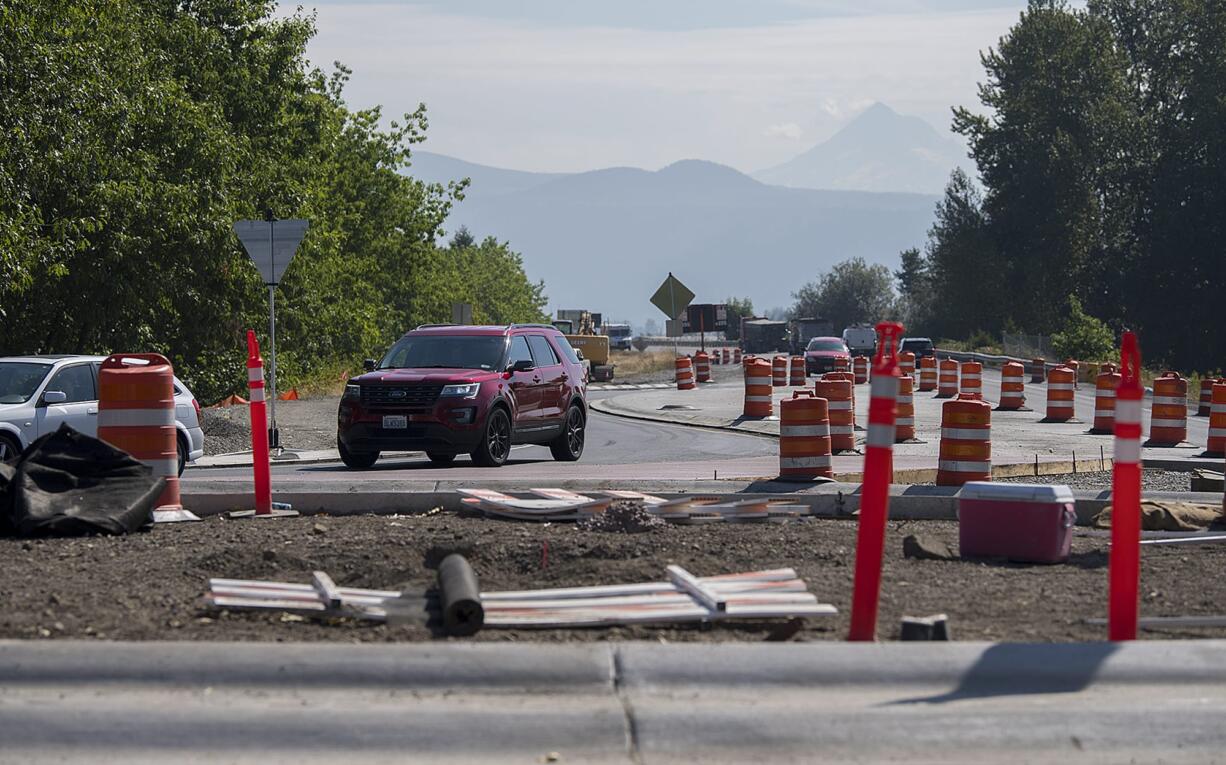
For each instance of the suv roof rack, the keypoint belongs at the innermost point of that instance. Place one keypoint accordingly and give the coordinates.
(532, 326)
(443, 324)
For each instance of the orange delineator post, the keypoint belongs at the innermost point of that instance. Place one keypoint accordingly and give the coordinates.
(1124, 565)
(259, 428)
(875, 490)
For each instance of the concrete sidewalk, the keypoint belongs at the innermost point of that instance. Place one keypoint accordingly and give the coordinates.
(97, 702)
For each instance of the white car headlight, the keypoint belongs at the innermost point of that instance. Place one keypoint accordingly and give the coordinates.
(468, 390)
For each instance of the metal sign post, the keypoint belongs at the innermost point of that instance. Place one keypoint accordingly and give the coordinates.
(271, 244)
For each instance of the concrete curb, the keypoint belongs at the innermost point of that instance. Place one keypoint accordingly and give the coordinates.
(607, 406)
(314, 457)
(605, 668)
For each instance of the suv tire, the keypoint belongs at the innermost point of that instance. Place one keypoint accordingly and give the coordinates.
(440, 459)
(495, 444)
(10, 450)
(182, 448)
(568, 447)
(356, 460)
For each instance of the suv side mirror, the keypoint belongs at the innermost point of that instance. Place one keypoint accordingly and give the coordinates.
(368, 365)
(523, 365)
(54, 397)
(579, 354)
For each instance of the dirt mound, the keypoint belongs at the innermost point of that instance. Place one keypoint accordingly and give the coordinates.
(222, 434)
(623, 518)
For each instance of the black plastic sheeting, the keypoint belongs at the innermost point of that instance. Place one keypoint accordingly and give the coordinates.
(71, 484)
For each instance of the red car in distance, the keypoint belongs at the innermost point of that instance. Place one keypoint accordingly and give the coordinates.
(822, 352)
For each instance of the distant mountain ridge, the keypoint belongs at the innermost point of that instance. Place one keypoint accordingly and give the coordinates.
(605, 239)
(880, 150)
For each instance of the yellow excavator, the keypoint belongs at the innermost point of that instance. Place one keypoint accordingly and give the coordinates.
(581, 329)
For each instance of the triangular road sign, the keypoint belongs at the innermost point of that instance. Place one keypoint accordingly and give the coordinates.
(271, 245)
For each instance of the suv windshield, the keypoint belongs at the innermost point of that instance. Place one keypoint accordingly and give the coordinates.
(818, 344)
(19, 380)
(446, 352)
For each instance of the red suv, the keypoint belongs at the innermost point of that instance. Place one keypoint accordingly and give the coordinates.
(449, 390)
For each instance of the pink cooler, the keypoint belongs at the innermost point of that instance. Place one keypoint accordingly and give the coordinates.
(1026, 522)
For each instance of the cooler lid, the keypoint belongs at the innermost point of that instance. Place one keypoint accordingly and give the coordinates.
(1017, 492)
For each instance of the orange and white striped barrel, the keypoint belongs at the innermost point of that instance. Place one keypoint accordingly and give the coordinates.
(860, 369)
(684, 369)
(136, 413)
(736, 355)
(927, 374)
(1168, 421)
(727, 356)
(947, 382)
(1012, 386)
(906, 364)
(904, 417)
(702, 367)
(840, 398)
(1105, 386)
(966, 441)
(798, 371)
(1074, 365)
(972, 378)
(849, 377)
(758, 400)
(804, 438)
(1060, 386)
(1217, 421)
(842, 364)
(1038, 370)
(779, 371)
(1206, 395)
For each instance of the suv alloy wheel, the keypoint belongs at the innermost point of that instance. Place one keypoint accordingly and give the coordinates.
(495, 444)
(568, 447)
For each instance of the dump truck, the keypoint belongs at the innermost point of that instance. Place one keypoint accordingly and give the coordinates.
(801, 331)
(762, 335)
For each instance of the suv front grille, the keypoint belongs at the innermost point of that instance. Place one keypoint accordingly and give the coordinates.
(413, 398)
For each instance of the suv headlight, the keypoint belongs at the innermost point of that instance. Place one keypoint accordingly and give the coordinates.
(352, 392)
(468, 390)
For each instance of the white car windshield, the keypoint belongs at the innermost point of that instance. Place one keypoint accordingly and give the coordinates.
(19, 380)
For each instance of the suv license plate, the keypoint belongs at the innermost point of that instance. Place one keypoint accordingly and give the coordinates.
(395, 421)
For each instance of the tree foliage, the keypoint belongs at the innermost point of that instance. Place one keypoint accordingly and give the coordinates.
(1083, 336)
(137, 132)
(736, 309)
(1103, 169)
(852, 292)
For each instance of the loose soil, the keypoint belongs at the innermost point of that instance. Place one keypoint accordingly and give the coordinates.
(307, 424)
(149, 586)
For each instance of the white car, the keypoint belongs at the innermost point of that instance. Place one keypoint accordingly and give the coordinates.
(38, 393)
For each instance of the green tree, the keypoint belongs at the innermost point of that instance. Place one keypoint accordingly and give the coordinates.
(852, 292)
(1082, 336)
(737, 308)
(914, 290)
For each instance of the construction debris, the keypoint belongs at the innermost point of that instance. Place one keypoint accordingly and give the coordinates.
(757, 595)
(1170, 516)
(555, 505)
(622, 518)
(934, 627)
(924, 547)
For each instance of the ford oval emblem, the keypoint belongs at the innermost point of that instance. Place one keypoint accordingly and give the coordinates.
(395, 394)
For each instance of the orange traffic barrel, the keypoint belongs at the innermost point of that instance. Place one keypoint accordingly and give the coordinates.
(972, 378)
(849, 377)
(136, 413)
(1060, 385)
(927, 374)
(1104, 401)
(804, 438)
(841, 364)
(904, 411)
(906, 364)
(736, 355)
(1206, 395)
(947, 382)
(1168, 424)
(966, 441)
(798, 370)
(840, 397)
(1012, 386)
(860, 369)
(684, 369)
(1038, 370)
(702, 367)
(1217, 421)
(758, 401)
(779, 371)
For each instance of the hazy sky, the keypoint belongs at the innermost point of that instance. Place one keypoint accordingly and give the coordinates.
(563, 85)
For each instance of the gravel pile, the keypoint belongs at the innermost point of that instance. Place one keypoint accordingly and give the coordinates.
(222, 434)
(1151, 480)
(623, 518)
